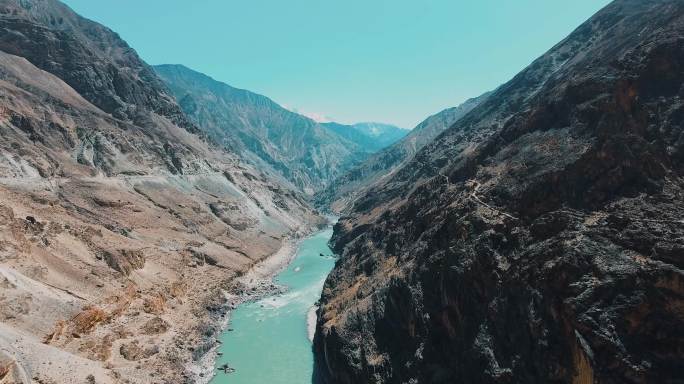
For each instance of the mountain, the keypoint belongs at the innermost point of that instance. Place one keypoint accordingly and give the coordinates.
(341, 194)
(372, 137)
(111, 204)
(537, 240)
(87, 56)
(306, 153)
(383, 134)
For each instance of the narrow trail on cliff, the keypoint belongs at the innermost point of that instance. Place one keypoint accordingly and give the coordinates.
(475, 185)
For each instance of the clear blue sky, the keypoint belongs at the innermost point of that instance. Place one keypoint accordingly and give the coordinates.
(394, 61)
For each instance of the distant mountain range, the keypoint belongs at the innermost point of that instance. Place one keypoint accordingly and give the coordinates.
(388, 133)
(340, 195)
(372, 136)
(308, 154)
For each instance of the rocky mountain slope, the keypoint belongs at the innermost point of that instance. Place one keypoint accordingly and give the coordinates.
(89, 57)
(341, 194)
(538, 240)
(111, 207)
(306, 153)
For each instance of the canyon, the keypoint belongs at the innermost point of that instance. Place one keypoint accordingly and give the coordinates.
(307, 154)
(355, 183)
(157, 223)
(113, 201)
(117, 194)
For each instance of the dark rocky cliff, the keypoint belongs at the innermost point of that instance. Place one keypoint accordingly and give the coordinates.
(538, 240)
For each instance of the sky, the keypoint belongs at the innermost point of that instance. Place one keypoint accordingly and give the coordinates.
(392, 61)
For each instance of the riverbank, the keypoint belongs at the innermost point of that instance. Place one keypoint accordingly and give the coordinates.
(123, 278)
(311, 318)
(256, 283)
(269, 335)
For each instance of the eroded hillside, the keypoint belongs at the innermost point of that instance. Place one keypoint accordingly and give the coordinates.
(121, 228)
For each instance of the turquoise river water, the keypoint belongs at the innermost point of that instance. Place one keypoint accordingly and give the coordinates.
(269, 342)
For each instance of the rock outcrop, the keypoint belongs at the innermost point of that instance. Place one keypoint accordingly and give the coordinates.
(540, 239)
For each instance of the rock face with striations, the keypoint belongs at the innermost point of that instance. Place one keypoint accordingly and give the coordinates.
(89, 57)
(540, 239)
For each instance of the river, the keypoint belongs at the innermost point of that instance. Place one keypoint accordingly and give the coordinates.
(269, 341)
